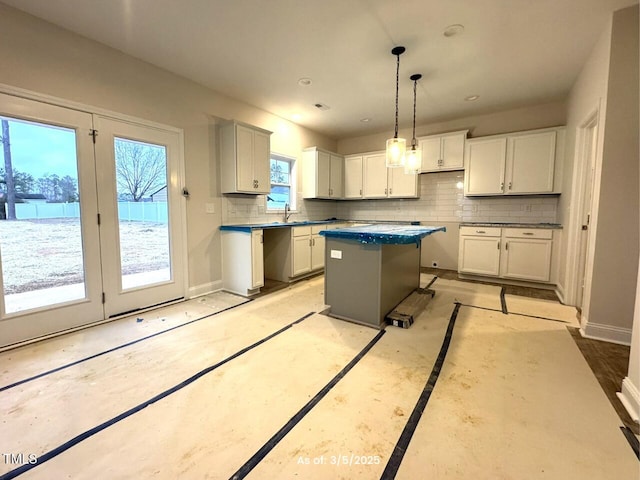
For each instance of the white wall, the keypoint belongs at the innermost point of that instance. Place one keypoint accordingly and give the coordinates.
(44, 58)
(514, 120)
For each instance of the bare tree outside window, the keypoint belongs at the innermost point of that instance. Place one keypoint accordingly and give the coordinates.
(8, 168)
(140, 168)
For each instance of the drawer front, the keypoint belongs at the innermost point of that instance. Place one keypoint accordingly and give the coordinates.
(540, 233)
(481, 231)
(318, 228)
(301, 231)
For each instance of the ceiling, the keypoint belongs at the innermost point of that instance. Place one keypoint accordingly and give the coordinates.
(511, 53)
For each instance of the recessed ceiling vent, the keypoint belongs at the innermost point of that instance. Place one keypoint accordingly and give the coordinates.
(321, 106)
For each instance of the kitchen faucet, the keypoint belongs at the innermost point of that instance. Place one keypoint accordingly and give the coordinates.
(287, 212)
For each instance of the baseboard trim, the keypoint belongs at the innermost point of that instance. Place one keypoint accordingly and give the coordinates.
(606, 333)
(204, 289)
(630, 398)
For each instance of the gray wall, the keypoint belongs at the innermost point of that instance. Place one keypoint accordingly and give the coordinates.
(615, 262)
(44, 58)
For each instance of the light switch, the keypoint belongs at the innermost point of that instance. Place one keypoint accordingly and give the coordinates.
(336, 254)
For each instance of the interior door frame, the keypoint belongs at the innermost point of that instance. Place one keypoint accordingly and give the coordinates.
(575, 220)
(46, 99)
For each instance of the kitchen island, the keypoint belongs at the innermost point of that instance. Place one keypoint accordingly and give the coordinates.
(370, 269)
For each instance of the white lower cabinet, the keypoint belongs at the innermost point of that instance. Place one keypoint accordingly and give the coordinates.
(513, 253)
(527, 254)
(300, 250)
(317, 249)
(307, 249)
(479, 251)
(242, 261)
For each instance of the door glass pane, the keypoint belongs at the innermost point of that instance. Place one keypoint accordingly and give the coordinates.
(143, 213)
(40, 227)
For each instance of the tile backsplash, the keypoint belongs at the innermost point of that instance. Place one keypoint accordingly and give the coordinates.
(441, 200)
(252, 209)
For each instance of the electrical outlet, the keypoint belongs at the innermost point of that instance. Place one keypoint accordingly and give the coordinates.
(210, 207)
(527, 208)
(474, 208)
(434, 264)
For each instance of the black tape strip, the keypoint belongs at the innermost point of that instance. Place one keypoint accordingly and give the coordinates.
(516, 313)
(89, 433)
(400, 449)
(503, 302)
(250, 464)
(91, 357)
(435, 277)
(632, 439)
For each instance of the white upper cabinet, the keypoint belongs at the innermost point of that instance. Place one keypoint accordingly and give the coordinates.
(375, 176)
(322, 174)
(530, 162)
(400, 184)
(514, 164)
(353, 176)
(485, 160)
(244, 159)
(382, 182)
(443, 152)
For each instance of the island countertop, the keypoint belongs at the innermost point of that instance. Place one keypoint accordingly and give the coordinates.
(382, 234)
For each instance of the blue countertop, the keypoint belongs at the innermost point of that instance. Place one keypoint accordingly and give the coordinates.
(262, 226)
(383, 234)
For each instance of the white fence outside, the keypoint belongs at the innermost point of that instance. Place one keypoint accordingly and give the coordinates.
(127, 211)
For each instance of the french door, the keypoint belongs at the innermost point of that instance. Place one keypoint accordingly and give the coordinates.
(90, 218)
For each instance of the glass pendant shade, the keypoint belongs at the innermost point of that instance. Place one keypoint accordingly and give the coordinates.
(396, 148)
(413, 160)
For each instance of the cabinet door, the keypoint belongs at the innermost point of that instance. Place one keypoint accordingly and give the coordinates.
(430, 154)
(261, 162)
(530, 163)
(257, 259)
(375, 176)
(479, 255)
(323, 165)
(452, 147)
(484, 166)
(401, 184)
(336, 179)
(527, 259)
(317, 252)
(353, 177)
(300, 255)
(244, 158)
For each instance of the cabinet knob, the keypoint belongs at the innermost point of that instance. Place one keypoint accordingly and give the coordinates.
(509, 185)
(498, 244)
(480, 231)
(527, 233)
(502, 186)
(506, 246)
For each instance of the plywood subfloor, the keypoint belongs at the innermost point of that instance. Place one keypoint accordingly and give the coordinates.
(514, 397)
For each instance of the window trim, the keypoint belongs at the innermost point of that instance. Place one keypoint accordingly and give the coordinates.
(292, 161)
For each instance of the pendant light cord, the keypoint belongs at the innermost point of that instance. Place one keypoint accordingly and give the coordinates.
(413, 140)
(397, 82)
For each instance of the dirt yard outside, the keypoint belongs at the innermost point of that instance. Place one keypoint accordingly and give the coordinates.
(40, 254)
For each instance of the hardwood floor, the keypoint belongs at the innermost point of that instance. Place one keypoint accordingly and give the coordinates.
(609, 363)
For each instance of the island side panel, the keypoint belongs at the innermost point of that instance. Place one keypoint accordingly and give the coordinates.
(352, 283)
(400, 275)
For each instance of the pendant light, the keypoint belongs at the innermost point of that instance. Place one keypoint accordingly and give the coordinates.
(413, 157)
(396, 146)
